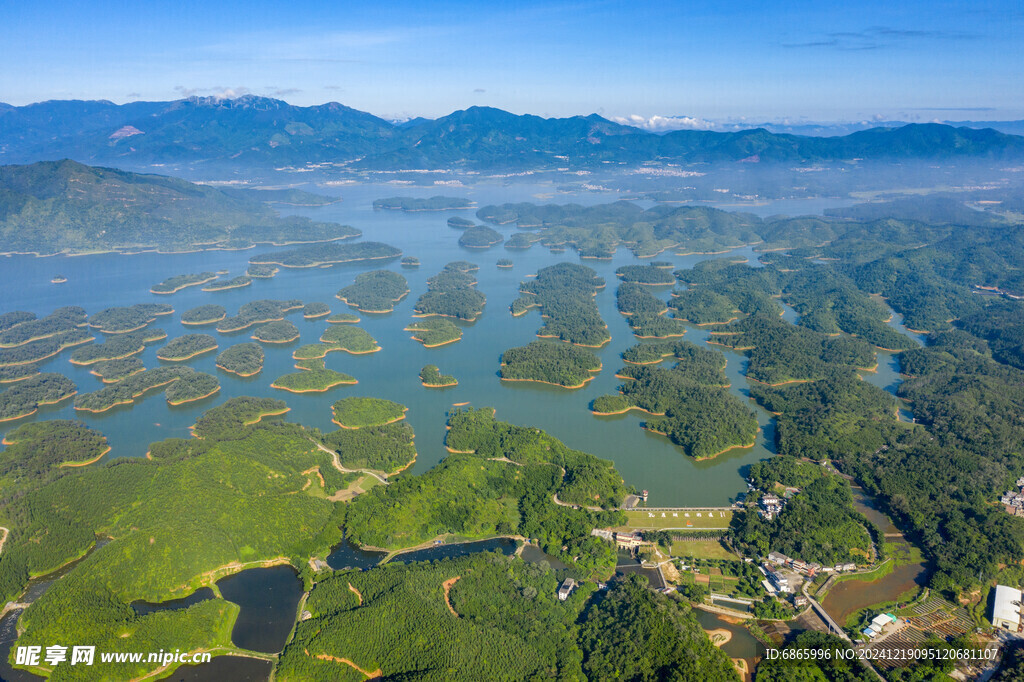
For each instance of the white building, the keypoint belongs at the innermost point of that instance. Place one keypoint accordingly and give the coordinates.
(1006, 608)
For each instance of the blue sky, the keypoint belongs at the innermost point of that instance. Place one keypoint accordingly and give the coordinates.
(721, 60)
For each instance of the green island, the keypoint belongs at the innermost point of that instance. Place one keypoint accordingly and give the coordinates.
(688, 403)
(460, 223)
(375, 292)
(243, 359)
(261, 271)
(133, 212)
(58, 279)
(452, 293)
(12, 373)
(24, 398)
(504, 263)
(257, 312)
(311, 351)
(343, 318)
(175, 284)
(655, 352)
(500, 479)
(702, 307)
(281, 331)
(565, 295)
(233, 283)
(38, 451)
(360, 412)
(410, 262)
(598, 231)
(35, 351)
(656, 327)
(386, 448)
(314, 377)
(128, 318)
(328, 253)
(663, 264)
(117, 347)
(315, 310)
(112, 371)
(431, 377)
(437, 203)
(204, 314)
(187, 347)
(480, 237)
(550, 363)
(355, 340)
(521, 241)
(435, 331)
(646, 274)
(634, 299)
(181, 384)
(21, 330)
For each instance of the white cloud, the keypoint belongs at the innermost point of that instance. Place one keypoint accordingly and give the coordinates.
(658, 124)
(218, 92)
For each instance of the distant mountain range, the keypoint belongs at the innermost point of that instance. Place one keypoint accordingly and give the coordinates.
(264, 132)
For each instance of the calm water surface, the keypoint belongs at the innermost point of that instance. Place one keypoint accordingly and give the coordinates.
(645, 460)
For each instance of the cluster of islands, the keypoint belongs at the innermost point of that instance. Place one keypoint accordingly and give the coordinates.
(589, 581)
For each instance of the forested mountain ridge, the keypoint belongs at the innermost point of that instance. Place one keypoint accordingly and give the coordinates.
(259, 130)
(67, 207)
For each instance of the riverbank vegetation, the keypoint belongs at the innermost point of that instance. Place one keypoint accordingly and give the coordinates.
(452, 293)
(431, 376)
(187, 347)
(375, 292)
(204, 314)
(564, 293)
(435, 331)
(243, 359)
(359, 412)
(550, 363)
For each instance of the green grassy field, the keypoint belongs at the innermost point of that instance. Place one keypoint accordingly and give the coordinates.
(684, 519)
(702, 549)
